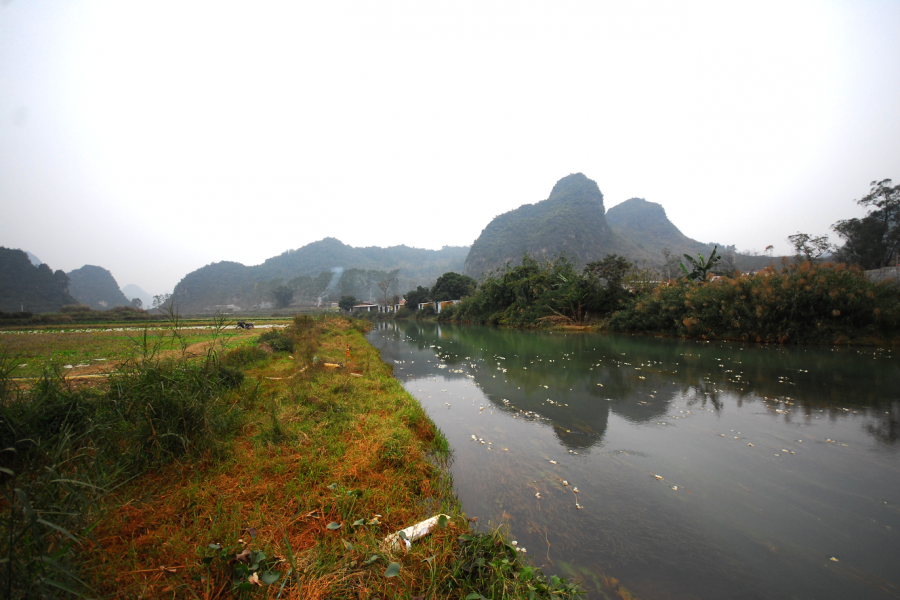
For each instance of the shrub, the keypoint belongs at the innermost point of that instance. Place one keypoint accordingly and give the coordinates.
(243, 356)
(230, 377)
(75, 308)
(802, 303)
(447, 313)
(277, 340)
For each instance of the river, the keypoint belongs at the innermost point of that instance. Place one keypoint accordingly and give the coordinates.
(702, 469)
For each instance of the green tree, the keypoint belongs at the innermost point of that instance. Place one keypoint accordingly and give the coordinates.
(347, 303)
(611, 269)
(417, 296)
(701, 268)
(137, 303)
(873, 242)
(282, 295)
(453, 286)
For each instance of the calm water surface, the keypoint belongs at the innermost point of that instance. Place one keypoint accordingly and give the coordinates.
(703, 470)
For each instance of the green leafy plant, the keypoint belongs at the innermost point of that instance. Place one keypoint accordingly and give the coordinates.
(700, 268)
(488, 566)
(277, 340)
(248, 568)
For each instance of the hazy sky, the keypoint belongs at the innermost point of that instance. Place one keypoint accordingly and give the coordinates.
(153, 138)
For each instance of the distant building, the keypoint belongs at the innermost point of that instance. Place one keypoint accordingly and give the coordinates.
(439, 306)
(227, 308)
(366, 306)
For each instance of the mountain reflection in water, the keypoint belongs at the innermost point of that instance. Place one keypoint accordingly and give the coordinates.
(687, 456)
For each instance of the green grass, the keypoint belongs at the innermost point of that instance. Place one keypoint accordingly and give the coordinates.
(66, 449)
(316, 446)
(101, 346)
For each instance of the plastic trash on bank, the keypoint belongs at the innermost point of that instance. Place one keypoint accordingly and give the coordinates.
(412, 533)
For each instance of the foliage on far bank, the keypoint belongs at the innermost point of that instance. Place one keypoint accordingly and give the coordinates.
(550, 292)
(798, 303)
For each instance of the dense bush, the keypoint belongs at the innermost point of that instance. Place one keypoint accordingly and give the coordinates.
(447, 313)
(535, 292)
(277, 341)
(75, 308)
(804, 303)
(16, 315)
(243, 356)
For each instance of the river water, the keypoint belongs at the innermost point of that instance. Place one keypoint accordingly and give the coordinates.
(703, 469)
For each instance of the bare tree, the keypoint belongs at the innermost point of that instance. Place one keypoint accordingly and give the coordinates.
(670, 269)
(387, 284)
(808, 247)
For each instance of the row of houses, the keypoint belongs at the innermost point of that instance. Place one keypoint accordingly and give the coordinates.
(390, 308)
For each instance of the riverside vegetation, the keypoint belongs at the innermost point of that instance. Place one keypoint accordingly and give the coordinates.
(800, 302)
(253, 469)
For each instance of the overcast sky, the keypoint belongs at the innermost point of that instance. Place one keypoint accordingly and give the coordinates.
(152, 138)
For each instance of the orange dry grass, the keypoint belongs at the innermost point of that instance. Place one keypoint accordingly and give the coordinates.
(376, 443)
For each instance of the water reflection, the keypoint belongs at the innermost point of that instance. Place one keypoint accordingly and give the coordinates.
(573, 381)
(704, 470)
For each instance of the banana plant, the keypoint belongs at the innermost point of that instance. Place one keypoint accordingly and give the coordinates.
(702, 267)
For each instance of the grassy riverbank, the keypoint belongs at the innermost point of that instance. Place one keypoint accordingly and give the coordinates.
(153, 482)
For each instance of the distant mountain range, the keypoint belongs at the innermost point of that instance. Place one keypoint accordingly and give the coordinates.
(572, 220)
(27, 287)
(133, 291)
(34, 259)
(225, 283)
(96, 287)
(29, 284)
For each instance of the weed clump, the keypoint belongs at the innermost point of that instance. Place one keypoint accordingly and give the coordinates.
(243, 356)
(277, 341)
(488, 566)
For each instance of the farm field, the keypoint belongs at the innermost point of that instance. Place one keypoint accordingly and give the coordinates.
(97, 349)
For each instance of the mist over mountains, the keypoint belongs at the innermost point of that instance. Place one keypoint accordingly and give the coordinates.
(571, 221)
(227, 282)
